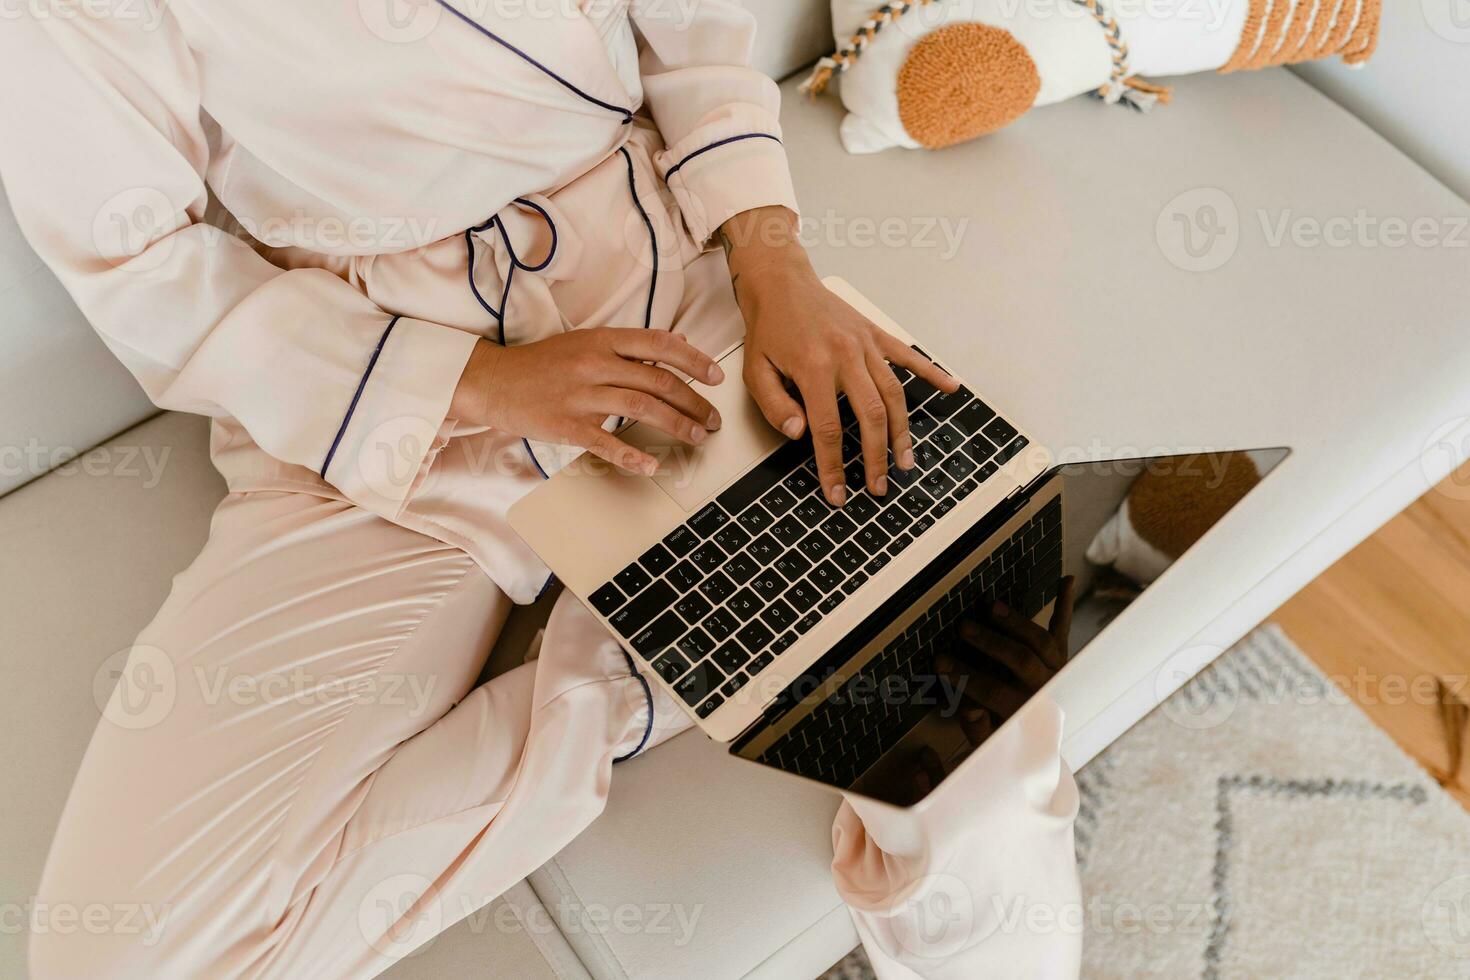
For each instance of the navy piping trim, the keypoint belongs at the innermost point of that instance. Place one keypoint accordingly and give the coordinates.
(627, 114)
(705, 149)
(515, 261)
(652, 238)
(549, 580)
(534, 461)
(356, 396)
(648, 695)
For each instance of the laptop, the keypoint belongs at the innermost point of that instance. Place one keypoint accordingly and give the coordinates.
(875, 716)
(728, 576)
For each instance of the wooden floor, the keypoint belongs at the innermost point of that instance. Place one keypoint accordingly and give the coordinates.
(1390, 623)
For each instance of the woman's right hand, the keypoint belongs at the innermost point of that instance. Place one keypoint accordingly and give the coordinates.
(562, 389)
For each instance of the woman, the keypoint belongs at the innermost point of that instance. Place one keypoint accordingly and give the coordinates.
(459, 239)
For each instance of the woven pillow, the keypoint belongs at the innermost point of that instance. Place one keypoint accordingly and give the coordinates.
(932, 73)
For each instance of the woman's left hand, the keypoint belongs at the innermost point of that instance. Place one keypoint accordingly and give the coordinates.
(796, 329)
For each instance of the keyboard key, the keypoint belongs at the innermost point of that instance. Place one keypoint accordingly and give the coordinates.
(731, 658)
(860, 508)
(708, 520)
(872, 538)
(971, 417)
(1006, 454)
(734, 684)
(685, 576)
(763, 549)
(632, 579)
(800, 483)
(979, 448)
(778, 501)
(900, 479)
(660, 634)
(849, 557)
(825, 577)
(710, 706)
(838, 527)
(720, 624)
(606, 599)
(802, 596)
(741, 567)
(805, 623)
(894, 519)
(927, 456)
(999, 431)
(755, 519)
(744, 604)
(778, 645)
(699, 683)
(693, 607)
(937, 483)
(768, 585)
(942, 406)
(922, 524)
(732, 537)
(671, 666)
(681, 541)
(793, 565)
(762, 477)
(876, 563)
(915, 502)
(915, 391)
(815, 546)
(788, 530)
(987, 470)
(811, 511)
(854, 583)
(707, 557)
(717, 588)
(943, 507)
(921, 423)
(642, 609)
(778, 616)
(656, 560)
(831, 602)
(695, 644)
(947, 438)
(754, 636)
(958, 466)
(899, 543)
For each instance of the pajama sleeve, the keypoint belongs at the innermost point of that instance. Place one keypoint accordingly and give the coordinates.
(103, 158)
(719, 116)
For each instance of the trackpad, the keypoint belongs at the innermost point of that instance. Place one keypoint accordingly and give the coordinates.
(692, 474)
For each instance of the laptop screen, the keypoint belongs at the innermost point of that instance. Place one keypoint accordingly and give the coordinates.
(926, 679)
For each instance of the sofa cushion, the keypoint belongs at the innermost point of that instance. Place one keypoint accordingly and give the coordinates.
(1061, 301)
(791, 33)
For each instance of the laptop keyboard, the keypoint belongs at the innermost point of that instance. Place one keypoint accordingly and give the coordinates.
(712, 604)
(855, 725)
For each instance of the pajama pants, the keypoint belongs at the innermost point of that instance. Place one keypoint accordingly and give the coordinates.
(298, 741)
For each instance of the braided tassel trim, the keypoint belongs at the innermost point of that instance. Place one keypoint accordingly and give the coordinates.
(1123, 86)
(848, 54)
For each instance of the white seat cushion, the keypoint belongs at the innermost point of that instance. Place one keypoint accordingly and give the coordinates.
(1061, 304)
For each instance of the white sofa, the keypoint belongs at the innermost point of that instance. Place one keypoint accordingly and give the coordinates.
(1059, 299)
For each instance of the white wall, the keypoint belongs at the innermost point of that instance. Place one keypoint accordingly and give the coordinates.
(1416, 89)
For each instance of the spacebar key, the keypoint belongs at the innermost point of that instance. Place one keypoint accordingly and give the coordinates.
(748, 489)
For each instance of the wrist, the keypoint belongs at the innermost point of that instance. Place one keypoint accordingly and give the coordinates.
(473, 400)
(761, 239)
